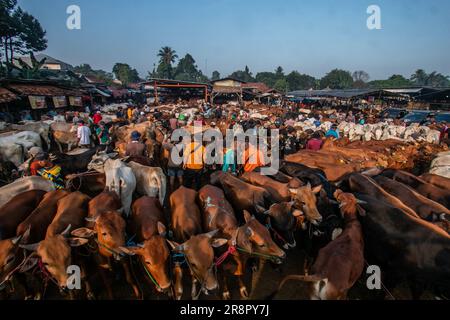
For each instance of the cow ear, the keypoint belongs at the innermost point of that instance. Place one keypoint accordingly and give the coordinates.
(293, 191)
(83, 233)
(76, 242)
(316, 189)
(218, 242)
(161, 229)
(24, 237)
(247, 216)
(30, 247)
(361, 210)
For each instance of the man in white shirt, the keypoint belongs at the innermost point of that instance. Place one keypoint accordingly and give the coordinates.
(84, 135)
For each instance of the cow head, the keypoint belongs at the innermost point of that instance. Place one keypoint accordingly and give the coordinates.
(154, 254)
(255, 238)
(305, 200)
(349, 205)
(109, 227)
(55, 255)
(9, 255)
(199, 254)
(98, 161)
(283, 218)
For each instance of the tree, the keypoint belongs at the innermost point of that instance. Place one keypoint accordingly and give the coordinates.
(27, 71)
(125, 73)
(86, 70)
(435, 79)
(395, 80)
(268, 78)
(215, 75)
(337, 79)
(186, 70)
(361, 75)
(281, 85)
(167, 56)
(244, 75)
(297, 81)
(420, 77)
(279, 73)
(19, 31)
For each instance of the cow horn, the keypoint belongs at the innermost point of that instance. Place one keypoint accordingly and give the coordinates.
(361, 201)
(92, 219)
(16, 240)
(333, 201)
(66, 231)
(212, 233)
(442, 217)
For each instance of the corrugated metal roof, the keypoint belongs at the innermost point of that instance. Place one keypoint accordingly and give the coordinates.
(347, 93)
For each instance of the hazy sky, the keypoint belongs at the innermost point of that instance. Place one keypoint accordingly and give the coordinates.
(312, 36)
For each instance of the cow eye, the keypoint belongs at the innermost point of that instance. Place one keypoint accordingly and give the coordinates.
(104, 234)
(147, 262)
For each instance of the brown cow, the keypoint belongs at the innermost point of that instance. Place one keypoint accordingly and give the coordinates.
(305, 200)
(90, 183)
(427, 209)
(16, 210)
(39, 220)
(148, 224)
(242, 195)
(196, 247)
(340, 263)
(421, 186)
(107, 224)
(279, 191)
(72, 209)
(438, 181)
(253, 237)
(366, 185)
(55, 255)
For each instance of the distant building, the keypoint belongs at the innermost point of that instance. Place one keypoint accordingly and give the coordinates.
(50, 62)
(227, 88)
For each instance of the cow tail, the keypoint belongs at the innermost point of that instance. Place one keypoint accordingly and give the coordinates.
(304, 278)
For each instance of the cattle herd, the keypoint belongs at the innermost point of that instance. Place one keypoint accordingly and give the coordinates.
(375, 197)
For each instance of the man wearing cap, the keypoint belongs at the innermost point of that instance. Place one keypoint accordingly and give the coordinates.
(83, 135)
(135, 148)
(40, 161)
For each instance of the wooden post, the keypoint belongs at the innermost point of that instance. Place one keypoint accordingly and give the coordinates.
(155, 88)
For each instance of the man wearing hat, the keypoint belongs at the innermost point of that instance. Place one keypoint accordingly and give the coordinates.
(135, 148)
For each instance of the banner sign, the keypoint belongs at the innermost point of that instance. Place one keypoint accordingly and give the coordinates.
(76, 101)
(60, 102)
(37, 102)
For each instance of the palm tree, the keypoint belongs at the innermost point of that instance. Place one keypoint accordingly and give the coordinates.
(167, 56)
(420, 77)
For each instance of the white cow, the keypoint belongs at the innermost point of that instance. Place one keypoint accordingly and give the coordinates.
(42, 128)
(119, 178)
(150, 181)
(14, 147)
(24, 184)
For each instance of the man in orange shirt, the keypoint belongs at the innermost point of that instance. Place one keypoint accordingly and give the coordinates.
(253, 158)
(194, 159)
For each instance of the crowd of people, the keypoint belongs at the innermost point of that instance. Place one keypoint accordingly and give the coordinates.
(94, 131)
